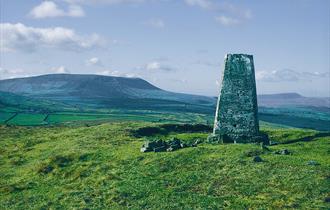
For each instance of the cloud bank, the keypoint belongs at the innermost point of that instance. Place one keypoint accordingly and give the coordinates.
(18, 37)
(288, 75)
(48, 9)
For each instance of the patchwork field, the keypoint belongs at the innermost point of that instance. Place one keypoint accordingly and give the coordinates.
(295, 118)
(33, 119)
(101, 167)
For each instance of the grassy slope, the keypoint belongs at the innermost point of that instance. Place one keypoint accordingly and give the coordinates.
(101, 166)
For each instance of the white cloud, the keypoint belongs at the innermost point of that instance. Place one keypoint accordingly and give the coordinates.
(227, 14)
(105, 1)
(205, 4)
(108, 73)
(117, 74)
(60, 70)
(18, 37)
(49, 9)
(95, 61)
(227, 21)
(153, 66)
(288, 75)
(155, 23)
(156, 66)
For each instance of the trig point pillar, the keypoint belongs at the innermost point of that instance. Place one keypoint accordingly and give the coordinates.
(236, 118)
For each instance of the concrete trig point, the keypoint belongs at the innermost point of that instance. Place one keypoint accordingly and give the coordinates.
(236, 117)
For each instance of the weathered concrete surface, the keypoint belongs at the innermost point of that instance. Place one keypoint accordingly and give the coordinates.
(236, 118)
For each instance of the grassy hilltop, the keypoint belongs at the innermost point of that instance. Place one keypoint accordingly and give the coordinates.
(100, 167)
(73, 142)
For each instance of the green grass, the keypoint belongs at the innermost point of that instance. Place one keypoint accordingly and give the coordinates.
(101, 167)
(60, 118)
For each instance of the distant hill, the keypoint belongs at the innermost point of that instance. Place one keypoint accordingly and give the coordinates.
(75, 85)
(96, 91)
(292, 99)
(101, 91)
(109, 91)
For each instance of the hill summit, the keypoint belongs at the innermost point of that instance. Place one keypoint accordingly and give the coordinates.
(106, 91)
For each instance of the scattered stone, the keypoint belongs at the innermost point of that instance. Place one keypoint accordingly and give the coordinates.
(313, 163)
(264, 147)
(174, 144)
(183, 145)
(253, 153)
(214, 139)
(156, 146)
(160, 149)
(271, 143)
(170, 149)
(198, 141)
(169, 146)
(144, 149)
(283, 152)
(257, 159)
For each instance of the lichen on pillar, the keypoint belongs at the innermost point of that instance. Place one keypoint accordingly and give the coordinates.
(236, 118)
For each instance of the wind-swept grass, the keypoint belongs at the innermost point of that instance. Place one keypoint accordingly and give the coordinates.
(101, 167)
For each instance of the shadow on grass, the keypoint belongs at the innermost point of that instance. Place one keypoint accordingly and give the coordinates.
(298, 122)
(165, 129)
(308, 138)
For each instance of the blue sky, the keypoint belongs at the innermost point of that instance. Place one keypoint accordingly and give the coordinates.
(178, 45)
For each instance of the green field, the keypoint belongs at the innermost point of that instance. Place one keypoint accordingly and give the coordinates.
(33, 119)
(4, 116)
(101, 167)
(28, 119)
(307, 118)
(30, 112)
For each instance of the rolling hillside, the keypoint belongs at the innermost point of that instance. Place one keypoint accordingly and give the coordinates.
(100, 91)
(292, 99)
(111, 91)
